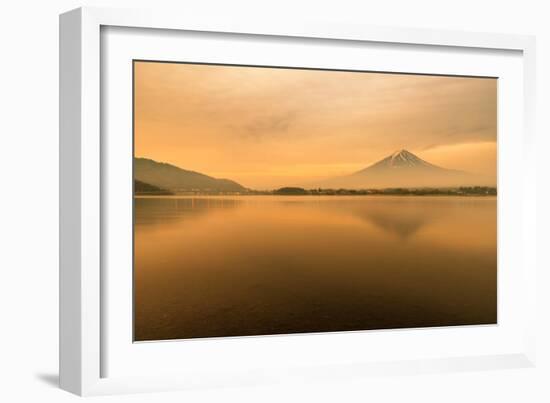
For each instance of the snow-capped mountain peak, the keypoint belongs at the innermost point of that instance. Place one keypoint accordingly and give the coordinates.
(401, 158)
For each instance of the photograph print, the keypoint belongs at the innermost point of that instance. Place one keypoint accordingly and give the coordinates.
(273, 200)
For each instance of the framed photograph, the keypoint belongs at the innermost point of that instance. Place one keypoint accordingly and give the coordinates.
(249, 202)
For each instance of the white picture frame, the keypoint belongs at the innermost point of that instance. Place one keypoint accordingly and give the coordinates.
(85, 345)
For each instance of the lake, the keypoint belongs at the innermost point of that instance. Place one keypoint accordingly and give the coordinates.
(211, 266)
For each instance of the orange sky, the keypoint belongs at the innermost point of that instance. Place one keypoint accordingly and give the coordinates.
(266, 127)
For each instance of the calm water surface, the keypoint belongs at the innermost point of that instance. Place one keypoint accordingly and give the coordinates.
(253, 265)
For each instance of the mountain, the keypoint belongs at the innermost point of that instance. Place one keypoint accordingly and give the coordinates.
(404, 169)
(173, 178)
(142, 188)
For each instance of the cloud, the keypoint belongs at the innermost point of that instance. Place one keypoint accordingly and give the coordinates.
(270, 125)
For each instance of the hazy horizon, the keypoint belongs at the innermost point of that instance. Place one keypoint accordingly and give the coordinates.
(346, 182)
(270, 127)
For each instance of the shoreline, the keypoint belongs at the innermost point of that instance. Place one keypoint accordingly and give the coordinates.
(208, 195)
(476, 191)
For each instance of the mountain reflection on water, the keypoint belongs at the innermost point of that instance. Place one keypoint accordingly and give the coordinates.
(210, 266)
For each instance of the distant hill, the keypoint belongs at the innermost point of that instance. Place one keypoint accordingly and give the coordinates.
(142, 188)
(173, 178)
(404, 169)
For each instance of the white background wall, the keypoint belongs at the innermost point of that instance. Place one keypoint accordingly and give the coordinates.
(29, 186)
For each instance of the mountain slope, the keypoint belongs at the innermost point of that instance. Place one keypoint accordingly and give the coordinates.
(404, 169)
(171, 177)
(142, 188)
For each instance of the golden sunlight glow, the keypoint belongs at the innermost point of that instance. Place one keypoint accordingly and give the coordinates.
(269, 127)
